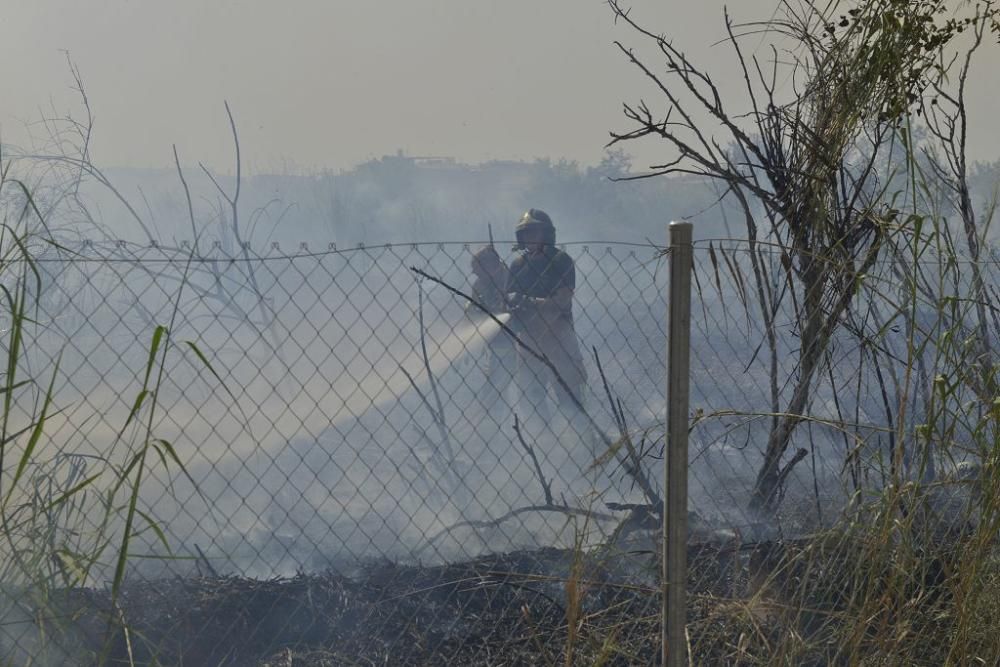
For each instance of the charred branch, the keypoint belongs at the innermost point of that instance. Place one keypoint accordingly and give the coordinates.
(546, 484)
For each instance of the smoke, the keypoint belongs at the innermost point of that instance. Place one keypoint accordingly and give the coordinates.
(376, 392)
(397, 199)
(313, 438)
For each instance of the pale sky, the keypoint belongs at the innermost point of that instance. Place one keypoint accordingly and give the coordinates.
(329, 83)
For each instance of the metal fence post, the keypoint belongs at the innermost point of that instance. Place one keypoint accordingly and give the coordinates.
(674, 641)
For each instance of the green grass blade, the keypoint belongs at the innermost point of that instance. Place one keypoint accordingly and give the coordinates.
(132, 509)
(155, 526)
(201, 357)
(70, 492)
(169, 448)
(136, 406)
(153, 348)
(36, 433)
(16, 385)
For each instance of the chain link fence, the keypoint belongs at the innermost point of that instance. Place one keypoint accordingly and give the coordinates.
(332, 412)
(328, 455)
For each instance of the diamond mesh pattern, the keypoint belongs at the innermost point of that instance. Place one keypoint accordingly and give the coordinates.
(311, 435)
(333, 415)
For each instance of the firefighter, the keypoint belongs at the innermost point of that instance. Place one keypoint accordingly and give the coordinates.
(540, 297)
(491, 279)
(491, 276)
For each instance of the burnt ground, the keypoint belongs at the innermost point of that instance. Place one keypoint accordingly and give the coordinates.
(538, 607)
(507, 609)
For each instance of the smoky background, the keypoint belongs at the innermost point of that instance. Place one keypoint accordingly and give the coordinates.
(297, 393)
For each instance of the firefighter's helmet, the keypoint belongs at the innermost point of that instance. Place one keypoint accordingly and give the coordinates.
(538, 219)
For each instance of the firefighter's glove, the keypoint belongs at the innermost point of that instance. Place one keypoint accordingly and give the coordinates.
(516, 301)
(521, 302)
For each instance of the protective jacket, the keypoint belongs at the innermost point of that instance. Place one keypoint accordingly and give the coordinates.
(540, 288)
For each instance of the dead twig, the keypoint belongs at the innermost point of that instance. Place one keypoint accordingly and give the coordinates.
(438, 413)
(632, 463)
(493, 523)
(445, 465)
(546, 484)
(202, 558)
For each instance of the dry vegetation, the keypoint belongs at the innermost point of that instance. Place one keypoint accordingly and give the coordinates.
(907, 574)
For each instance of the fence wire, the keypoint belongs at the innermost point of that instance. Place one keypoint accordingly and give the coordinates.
(333, 412)
(335, 454)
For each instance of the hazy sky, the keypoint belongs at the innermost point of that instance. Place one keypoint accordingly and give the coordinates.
(329, 83)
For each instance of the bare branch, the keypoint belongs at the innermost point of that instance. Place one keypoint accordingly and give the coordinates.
(546, 484)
